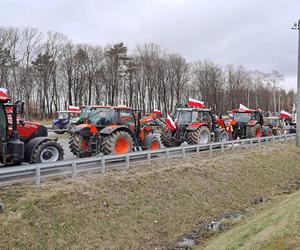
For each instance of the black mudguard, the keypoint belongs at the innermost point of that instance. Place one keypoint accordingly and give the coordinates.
(109, 130)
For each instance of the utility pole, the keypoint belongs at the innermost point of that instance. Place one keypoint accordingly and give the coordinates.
(297, 27)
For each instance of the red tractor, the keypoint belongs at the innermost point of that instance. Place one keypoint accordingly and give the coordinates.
(22, 140)
(194, 126)
(113, 130)
(248, 123)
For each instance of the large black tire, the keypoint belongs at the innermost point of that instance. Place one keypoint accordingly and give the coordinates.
(199, 136)
(166, 139)
(221, 135)
(78, 145)
(111, 144)
(277, 131)
(152, 142)
(47, 151)
(251, 131)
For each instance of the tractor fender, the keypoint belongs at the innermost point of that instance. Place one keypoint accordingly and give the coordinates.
(112, 128)
(195, 125)
(31, 145)
(86, 130)
(251, 122)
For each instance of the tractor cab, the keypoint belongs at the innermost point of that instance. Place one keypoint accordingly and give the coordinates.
(63, 120)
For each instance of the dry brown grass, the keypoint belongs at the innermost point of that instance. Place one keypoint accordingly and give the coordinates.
(143, 208)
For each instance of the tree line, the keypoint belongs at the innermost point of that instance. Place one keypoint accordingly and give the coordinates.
(49, 72)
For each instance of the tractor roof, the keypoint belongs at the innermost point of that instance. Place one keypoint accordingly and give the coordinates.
(193, 109)
(244, 110)
(110, 107)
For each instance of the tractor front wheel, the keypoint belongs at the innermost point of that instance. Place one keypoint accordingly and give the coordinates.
(200, 136)
(152, 142)
(79, 145)
(47, 151)
(221, 136)
(278, 131)
(119, 142)
(166, 139)
(254, 131)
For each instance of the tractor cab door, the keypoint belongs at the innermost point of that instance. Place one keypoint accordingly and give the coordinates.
(258, 117)
(3, 124)
(3, 132)
(127, 117)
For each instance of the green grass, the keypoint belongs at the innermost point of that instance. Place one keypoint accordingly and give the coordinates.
(276, 227)
(146, 207)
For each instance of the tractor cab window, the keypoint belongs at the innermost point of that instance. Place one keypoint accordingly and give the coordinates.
(3, 123)
(184, 116)
(100, 116)
(242, 117)
(126, 116)
(63, 115)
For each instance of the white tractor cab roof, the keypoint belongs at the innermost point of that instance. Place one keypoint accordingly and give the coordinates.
(193, 109)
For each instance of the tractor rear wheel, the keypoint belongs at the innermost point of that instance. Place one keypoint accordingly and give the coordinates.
(166, 139)
(254, 131)
(199, 136)
(152, 142)
(119, 142)
(47, 151)
(79, 145)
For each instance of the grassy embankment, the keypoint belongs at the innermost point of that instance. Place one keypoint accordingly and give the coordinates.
(146, 207)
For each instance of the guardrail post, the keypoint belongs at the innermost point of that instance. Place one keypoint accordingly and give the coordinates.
(242, 143)
(183, 153)
(197, 150)
(259, 142)
(167, 154)
(127, 161)
(210, 149)
(149, 157)
(232, 145)
(251, 143)
(73, 168)
(222, 146)
(37, 176)
(103, 168)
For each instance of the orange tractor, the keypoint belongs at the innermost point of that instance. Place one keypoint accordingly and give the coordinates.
(113, 130)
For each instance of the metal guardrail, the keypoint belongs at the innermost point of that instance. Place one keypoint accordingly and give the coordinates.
(36, 172)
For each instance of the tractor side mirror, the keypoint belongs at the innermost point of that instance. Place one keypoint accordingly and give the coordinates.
(21, 108)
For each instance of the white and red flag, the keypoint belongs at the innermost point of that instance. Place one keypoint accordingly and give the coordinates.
(170, 123)
(157, 112)
(3, 94)
(195, 103)
(243, 107)
(74, 109)
(284, 114)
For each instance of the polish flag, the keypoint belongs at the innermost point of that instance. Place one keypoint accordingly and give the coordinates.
(74, 109)
(157, 112)
(284, 114)
(170, 123)
(243, 107)
(3, 94)
(195, 103)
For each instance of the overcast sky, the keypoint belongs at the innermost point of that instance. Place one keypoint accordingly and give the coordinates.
(254, 33)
